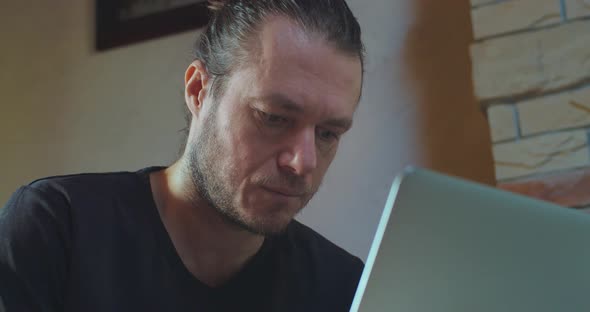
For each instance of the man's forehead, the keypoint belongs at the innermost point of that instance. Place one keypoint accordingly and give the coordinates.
(281, 38)
(280, 32)
(285, 48)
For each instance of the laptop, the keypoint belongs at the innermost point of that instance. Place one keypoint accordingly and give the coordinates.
(445, 244)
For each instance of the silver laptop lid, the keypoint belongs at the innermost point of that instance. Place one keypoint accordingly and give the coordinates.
(444, 244)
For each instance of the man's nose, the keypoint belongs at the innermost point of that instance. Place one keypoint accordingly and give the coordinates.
(300, 156)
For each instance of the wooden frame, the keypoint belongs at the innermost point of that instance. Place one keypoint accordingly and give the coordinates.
(122, 22)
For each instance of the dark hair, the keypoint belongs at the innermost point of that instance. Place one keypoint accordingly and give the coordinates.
(225, 43)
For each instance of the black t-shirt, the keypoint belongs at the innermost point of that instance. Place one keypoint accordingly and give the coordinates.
(95, 242)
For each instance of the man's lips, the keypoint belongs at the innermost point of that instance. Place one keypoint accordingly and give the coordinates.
(283, 192)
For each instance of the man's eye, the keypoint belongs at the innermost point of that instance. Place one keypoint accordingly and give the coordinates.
(327, 135)
(273, 120)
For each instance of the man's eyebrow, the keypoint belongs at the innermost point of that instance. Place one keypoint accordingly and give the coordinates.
(279, 100)
(344, 123)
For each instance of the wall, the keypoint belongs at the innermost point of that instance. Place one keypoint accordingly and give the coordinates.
(418, 108)
(532, 73)
(66, 108)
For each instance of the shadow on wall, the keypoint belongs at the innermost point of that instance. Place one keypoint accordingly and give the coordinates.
(453, 132)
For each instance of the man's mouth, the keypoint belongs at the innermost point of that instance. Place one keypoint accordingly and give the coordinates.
(284, 191)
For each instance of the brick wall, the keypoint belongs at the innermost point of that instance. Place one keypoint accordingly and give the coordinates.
(531, 72)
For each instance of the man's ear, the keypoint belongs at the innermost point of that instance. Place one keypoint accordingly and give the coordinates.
(196, 86)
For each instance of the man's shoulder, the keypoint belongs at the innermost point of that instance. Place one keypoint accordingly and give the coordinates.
(88, 183)
(77, 179)
(55, 196)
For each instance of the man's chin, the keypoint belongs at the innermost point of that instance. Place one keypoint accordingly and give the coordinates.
(268, 226)
(268, 221)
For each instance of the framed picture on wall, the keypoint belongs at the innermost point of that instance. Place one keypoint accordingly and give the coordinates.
(122, 22)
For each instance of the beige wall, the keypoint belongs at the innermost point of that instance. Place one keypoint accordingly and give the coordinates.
(67, 109)
(418, 108)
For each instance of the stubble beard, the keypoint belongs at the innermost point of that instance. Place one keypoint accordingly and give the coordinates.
(209, 186)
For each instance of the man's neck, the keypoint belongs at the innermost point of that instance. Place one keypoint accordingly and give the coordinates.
(211, 248)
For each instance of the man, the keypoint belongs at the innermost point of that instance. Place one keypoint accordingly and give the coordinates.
(274, 86)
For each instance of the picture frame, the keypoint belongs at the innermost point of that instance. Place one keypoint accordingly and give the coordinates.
(123, 22)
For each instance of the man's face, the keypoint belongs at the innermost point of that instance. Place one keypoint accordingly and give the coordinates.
(261, 150)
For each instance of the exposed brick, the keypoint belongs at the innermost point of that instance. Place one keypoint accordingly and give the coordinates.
(566, 189)
(502, 125)
(532, 62)
(555, 112)
(510, 16)
(577, 8)
(541, 154)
